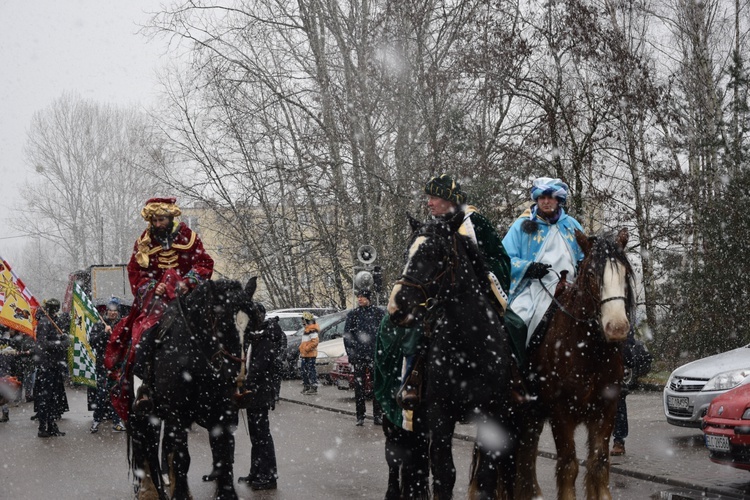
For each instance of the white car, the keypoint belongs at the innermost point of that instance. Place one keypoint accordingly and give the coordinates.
(290, 320)
(692, 387)
(328, 352)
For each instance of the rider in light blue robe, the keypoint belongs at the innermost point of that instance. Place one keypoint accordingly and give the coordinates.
(540, 240)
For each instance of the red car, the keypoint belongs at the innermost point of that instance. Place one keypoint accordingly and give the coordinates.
(342, 376)
(726, 428)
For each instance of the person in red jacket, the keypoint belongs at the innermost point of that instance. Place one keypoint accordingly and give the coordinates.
(168, 260)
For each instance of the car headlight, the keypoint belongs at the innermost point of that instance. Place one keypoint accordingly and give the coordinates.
(746, 415)
(322, 355)
(726, 380)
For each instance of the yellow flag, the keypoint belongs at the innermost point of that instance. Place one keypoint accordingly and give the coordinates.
(17, 305)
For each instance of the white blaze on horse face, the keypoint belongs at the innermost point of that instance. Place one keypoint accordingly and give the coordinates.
(392, 305)
(614, 316)
(241, 319)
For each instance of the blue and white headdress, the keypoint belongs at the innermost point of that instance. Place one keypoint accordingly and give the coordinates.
(550, 187)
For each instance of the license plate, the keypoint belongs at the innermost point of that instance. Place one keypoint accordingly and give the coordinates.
(343, 384)
(717, 443)
(678, 403)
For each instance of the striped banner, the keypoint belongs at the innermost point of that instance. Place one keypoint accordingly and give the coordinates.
(83, 317)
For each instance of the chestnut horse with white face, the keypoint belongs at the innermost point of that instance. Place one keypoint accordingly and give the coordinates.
(575, 371)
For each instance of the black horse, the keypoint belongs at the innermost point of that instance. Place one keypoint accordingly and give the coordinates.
(196, 365)
(468, 361)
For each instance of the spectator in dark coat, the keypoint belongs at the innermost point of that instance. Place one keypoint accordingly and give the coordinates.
(359, 341)
(99, 336)
(27, 366)
(8, 362)
(279, 346)
(263, 366)
(52, 346)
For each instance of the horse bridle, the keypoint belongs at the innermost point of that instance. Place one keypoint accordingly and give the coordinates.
(600, 302)
(431, 303)
(220, 353)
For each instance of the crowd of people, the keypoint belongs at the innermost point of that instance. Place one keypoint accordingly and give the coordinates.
(169, 260)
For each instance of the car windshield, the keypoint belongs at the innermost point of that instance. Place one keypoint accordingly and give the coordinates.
(325, 321)
(291, 323)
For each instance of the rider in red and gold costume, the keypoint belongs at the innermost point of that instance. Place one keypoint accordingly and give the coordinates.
(168, 260)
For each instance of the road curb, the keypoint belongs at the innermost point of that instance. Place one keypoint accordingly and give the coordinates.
(696, 490)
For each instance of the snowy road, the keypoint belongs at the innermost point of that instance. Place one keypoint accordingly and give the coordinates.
(322, 455)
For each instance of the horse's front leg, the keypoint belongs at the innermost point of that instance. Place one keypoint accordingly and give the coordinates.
(144, 437)
(407, 454)
(395, 456)
(530, 428)
(221, 439)
(563, 431)
(597, 464)
(441, 454)
(178, 459)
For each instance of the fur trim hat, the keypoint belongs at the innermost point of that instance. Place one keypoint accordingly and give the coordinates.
(446, 188)
(159, 207)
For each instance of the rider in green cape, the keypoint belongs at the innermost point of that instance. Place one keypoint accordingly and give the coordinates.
(396, 346)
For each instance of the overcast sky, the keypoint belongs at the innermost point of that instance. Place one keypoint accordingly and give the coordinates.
(48, 47)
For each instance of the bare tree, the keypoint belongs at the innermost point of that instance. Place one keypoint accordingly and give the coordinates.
(91, 163)
(314, 126)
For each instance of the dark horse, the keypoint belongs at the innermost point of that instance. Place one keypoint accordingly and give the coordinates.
(196, 364)
(468, 360)
(577, 369)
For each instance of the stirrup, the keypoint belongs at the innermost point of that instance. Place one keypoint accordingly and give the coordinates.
(408, 397)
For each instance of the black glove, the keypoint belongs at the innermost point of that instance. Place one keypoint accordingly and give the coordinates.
(537, 270)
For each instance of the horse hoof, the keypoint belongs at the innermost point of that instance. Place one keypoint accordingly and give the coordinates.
(259, 486)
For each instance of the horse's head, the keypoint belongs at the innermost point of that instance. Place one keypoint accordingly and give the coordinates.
(608, 277)
(430, 267)
(226, 311)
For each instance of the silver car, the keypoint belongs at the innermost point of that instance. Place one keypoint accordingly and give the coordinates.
(692, 387)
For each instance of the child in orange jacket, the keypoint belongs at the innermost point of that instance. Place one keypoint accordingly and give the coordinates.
(308, 352)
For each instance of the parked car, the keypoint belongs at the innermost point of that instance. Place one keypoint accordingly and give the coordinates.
(342, 375)
(328, 352)
(331, 327)
(726, 428)
(290, 320)
(691, 387)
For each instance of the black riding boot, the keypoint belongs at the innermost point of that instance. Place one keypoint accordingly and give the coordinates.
(43, 429)
(53, 430)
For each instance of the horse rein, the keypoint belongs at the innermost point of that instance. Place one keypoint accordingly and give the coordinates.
(221, 352)
(568, 313)
(431, 303)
